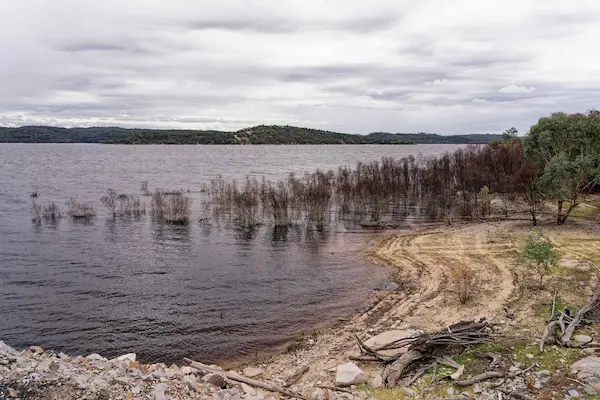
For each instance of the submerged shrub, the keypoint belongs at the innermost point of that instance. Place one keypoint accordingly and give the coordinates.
(172, 208)
(77, 210)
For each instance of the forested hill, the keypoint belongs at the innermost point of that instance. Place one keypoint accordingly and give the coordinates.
(263, 134)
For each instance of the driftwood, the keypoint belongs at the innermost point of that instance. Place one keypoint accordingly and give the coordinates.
(238, 378)
(494, 356)
(479, 378)
(336, 388)
(422, 348)
(296, 377)
(560, 331)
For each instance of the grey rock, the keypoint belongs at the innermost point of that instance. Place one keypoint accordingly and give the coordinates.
(376, 381)
(125, 357)
(589, 390)
(317, 394)
(7, 350)
(582, 339)
(248, 389)
(39, 350)
(96, 357)
(252, 372)
(159, 392)
(215, 379)
(573, 393)
(189, 370)
(349, 374)
(544, 372)
(191, 382)
(588, 370)
(589, 351)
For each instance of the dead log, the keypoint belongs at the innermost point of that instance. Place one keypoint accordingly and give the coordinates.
(479, 378)
(589, 305)
(238, 378)
(295, 377)
(393, 372)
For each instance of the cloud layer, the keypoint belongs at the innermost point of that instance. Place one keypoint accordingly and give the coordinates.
(400, 66)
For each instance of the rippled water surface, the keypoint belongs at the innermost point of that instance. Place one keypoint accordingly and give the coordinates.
(167, 292)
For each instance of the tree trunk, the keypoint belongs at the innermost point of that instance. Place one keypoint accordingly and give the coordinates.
(559, 217)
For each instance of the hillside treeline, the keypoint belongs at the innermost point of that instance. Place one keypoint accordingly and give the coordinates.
(263, 134)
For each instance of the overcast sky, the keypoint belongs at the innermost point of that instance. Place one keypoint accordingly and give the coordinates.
(354, 66)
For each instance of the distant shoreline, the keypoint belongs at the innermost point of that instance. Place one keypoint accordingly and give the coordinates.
(262, 134)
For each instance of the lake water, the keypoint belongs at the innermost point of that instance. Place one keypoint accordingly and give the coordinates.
(208, 292)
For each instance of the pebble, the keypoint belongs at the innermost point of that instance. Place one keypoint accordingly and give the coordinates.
(191, 382)
(589, 390)
(573, 393)
(582, 339)
(529, 355)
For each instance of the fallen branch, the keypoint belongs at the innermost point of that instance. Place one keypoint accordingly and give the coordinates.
(589, 305)
(417, 375)
(238, 378)
(296, 377)
(479, 378)
(338, 389)
(494, 356)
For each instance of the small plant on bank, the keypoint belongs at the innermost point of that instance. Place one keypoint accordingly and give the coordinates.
(49, 213)
(171, 207)
(539, 253)
(463, 279)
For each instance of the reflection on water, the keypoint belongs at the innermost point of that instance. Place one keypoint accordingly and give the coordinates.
(204, 290)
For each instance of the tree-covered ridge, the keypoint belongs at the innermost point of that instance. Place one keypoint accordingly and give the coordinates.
(262, 134)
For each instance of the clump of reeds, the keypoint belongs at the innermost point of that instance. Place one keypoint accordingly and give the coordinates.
(144, 188)
(80, 211)
(170, 208)
(122, 205)
(49, 213)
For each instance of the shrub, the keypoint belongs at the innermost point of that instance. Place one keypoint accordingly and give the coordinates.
(172, 208)
(539, 253)
(144, 188)
(463, 279)
(77, 210)
(51, 212)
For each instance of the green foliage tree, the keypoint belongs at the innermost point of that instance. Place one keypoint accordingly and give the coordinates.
(567, 147)
(539, 252)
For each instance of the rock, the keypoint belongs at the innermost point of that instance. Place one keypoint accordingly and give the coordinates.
(349, 374)
(573, 393)
(96, 357)
(388, 337)
(582, 339)
(589, 390)
(410, 392)
(125, 358)
(12, 393)
(544, 372)
(529, 355)
(191, 382)
(252, 372)
(376, 381)
(172, 371)
(214, 379)
(588, 370)
(159, 391)
(6, 349)
(450, 391)
(588, 351)
(317, 394)
(248, 389)
(189, 370)
(514, 369)
(36, 349)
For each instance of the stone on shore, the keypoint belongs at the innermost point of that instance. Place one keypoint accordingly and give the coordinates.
(588, 370)
(191, 383)
(349, 374)
(376, 381)
(159, 392)
(130, 357)
(252, 372)
(96, 357)
(582, 339)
